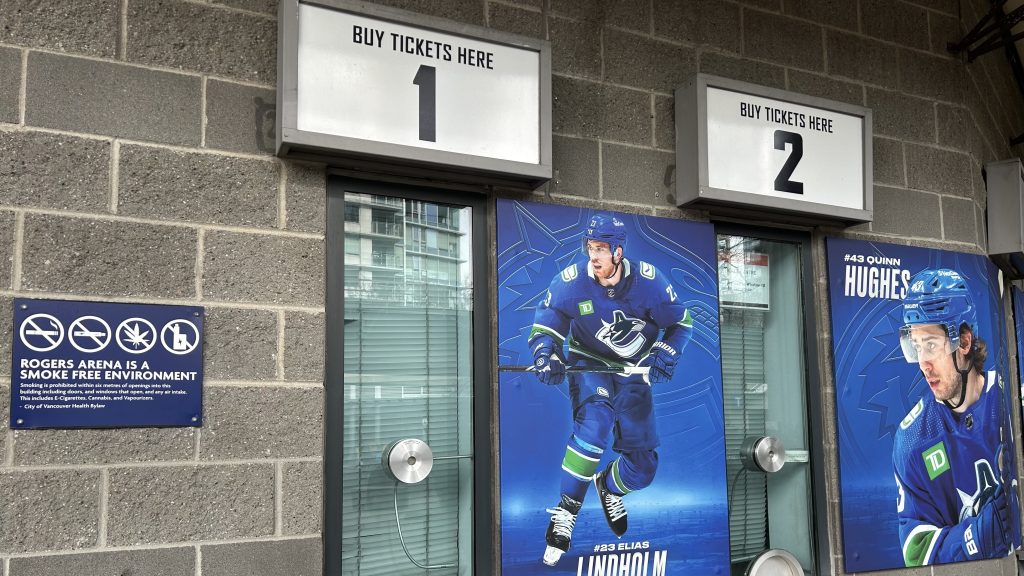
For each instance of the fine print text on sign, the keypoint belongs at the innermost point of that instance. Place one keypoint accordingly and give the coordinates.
(93, 364)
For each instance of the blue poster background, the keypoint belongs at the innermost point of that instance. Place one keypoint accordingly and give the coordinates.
(876, 387)
(684, 511)
(1018, 326)
(61, 377)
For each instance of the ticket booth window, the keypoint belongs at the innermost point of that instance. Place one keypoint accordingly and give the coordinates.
(403, 365)
(765, 372)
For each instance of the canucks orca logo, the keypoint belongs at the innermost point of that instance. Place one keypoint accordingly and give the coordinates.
(623, 335)
(986, 483)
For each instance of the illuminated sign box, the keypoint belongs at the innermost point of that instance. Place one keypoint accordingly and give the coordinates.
(379, 89)
(755, 149)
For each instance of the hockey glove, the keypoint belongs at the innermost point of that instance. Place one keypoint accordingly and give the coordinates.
(987, 532)
(546, 363)
(662, 363)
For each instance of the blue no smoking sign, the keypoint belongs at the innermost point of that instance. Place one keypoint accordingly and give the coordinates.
(106, 365)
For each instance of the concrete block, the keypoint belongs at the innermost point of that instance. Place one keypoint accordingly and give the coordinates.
(708, 22)
(302, 497)
(207, 188)
(825, 87)
(206, 39)
(538, 4)
(838, 13)
(303, 347)
(665, 122)
(783, 40)
(40, 170)
(49, 510)
(289, 423)
(6, 322)
(952, 124)
(46, 447)
(938, 170)
(895, 21)
(638, 176)
(862, 59)
(900, 116)
(240, 118)
(240, 344)
(6, 248)
(743, 69)
(467, 11)
(906, 212)
(306, 197)
(982, 227)
(933, 77)
(943, 30)
(945, 6)
(10, 89)
(663, 67)
(78, 26)
(576, 165)
(79, 256)
(112, 100)
(575, 47)
(591, 110)
(160, 562)
(263, 6)
(516, 20)
(771, 5)
(194, 503)
(300, 557)
(629, 14)
(888, 162)
(260, 268)
(958, 219)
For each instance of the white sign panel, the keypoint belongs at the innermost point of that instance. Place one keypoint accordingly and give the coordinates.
(382, 81)
(784, 150)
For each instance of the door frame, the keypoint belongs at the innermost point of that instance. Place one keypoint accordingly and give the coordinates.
(812, 377)
(334, 368)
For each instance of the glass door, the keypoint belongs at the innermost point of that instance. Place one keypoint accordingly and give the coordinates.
(764, 379)
(408, 292)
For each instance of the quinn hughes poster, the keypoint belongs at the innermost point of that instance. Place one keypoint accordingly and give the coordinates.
(926, 447)
(612, 441)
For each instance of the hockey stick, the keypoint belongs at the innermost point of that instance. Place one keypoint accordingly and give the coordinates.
(627, 370)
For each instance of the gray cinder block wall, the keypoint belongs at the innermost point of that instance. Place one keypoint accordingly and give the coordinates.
(135, 166)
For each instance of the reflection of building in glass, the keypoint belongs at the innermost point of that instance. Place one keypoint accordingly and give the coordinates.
(405, 251)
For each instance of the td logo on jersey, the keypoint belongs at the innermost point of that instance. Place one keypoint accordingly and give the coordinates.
(623, 334)
(935, 460)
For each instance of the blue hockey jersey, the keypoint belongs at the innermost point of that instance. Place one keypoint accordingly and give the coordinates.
(943, 462)
(615, 325)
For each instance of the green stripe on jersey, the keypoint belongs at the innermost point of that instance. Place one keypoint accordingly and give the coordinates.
(687, 321)
(617, 480)
(538, 329)
(916, 548)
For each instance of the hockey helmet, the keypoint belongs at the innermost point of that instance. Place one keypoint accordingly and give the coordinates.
(605, 228)
(940, 297)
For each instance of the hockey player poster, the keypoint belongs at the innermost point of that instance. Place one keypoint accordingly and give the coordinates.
(611, 430)
(926, 446)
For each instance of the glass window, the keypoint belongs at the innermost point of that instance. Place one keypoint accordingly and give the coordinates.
(351, 212)
(408, 374)
(763, 381)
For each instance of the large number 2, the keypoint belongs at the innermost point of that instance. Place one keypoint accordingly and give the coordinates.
(782, 181)
(426, 79)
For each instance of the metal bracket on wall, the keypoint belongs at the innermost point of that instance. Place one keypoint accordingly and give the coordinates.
(993, 31)
(410, 461)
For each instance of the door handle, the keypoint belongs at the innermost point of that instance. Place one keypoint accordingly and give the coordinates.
(410, 461)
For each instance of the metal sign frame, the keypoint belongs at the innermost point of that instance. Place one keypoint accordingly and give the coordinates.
(398, 159)
(692, 182)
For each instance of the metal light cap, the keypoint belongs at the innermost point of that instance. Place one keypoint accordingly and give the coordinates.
(775, 562)
(763, 454)
(408, 461)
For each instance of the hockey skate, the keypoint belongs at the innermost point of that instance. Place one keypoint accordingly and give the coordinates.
(559, 534)
(611, 503)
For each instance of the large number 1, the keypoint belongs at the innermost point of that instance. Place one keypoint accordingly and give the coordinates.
(782, 181)
(426, 79)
